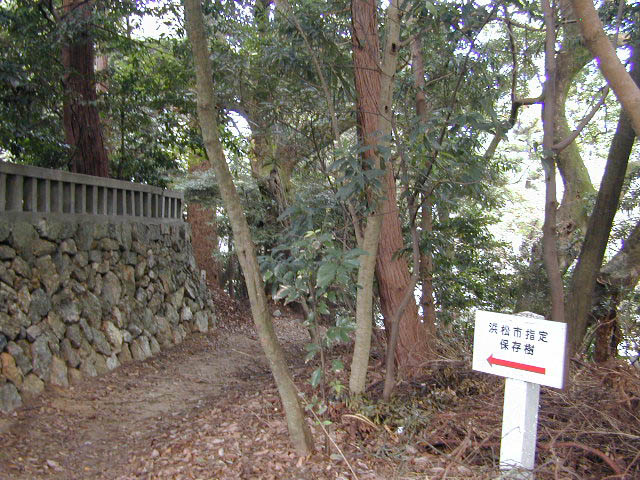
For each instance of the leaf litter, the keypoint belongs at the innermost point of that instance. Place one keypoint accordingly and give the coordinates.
(208, 409)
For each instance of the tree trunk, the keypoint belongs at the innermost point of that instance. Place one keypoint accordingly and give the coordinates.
(83, 132)
(583, 282)
(426, 274)
(618, 276)
(271, 166)
(407, 299)
(618, 78)
(298, 429)
(572, 214)
(368, 85)
(392, 272)
(549, 236)
(204, 234)
(204, 239)
(426, 214)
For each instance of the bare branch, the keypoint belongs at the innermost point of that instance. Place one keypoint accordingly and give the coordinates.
(558, 147)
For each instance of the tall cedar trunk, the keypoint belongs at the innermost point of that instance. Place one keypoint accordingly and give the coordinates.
(392, 272)
(366, 73)
(83, 132)
(204, 235)
(204, 239)
(299, 432)
(583, 282)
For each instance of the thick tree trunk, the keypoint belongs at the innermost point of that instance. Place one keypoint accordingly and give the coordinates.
(271, 165)
(572, 214)
(273, 157)
(618, 276)
(204, 239)
(83, 132)
(298, 429)
(367, 82)
(392, 272)
(204, 235)
(407, 298)
(583, 282)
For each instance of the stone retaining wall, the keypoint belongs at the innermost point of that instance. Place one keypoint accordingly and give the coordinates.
(80, 298)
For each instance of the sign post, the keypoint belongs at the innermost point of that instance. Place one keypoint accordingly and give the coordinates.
(530, 353)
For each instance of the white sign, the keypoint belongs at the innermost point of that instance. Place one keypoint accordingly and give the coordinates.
(519, 347)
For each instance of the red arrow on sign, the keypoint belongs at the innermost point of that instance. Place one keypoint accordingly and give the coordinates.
(520, 366)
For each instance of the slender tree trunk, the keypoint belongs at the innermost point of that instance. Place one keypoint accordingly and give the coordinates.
(83, 132)
(583, 282)
(626, 90)
(364, 307)
(367, 82)
(549, 235)
(426, 274)
(426, 215)
(298, 429)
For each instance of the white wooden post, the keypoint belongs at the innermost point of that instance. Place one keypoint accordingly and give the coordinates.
(519, 428)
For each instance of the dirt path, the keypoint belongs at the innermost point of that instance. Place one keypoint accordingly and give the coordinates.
(101, 427)
(208, 410)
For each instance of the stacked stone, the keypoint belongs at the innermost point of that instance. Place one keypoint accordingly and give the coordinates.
(79, 299)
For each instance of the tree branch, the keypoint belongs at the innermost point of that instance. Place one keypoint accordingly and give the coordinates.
(600, 46)
(558, 147)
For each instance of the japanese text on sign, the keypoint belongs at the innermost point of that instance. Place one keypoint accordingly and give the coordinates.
(519, 347)
(515, 339)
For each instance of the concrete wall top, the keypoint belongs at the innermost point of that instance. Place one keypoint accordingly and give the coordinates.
(28, 193)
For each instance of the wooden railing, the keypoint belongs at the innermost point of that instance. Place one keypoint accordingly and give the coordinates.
(33, 192)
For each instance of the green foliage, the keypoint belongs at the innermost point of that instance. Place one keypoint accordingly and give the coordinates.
(356, 176)
(314, 271)
(473, 269)
(146, 105)
(269, 91)
(30, 96)
(149, 111)
(312, 268)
